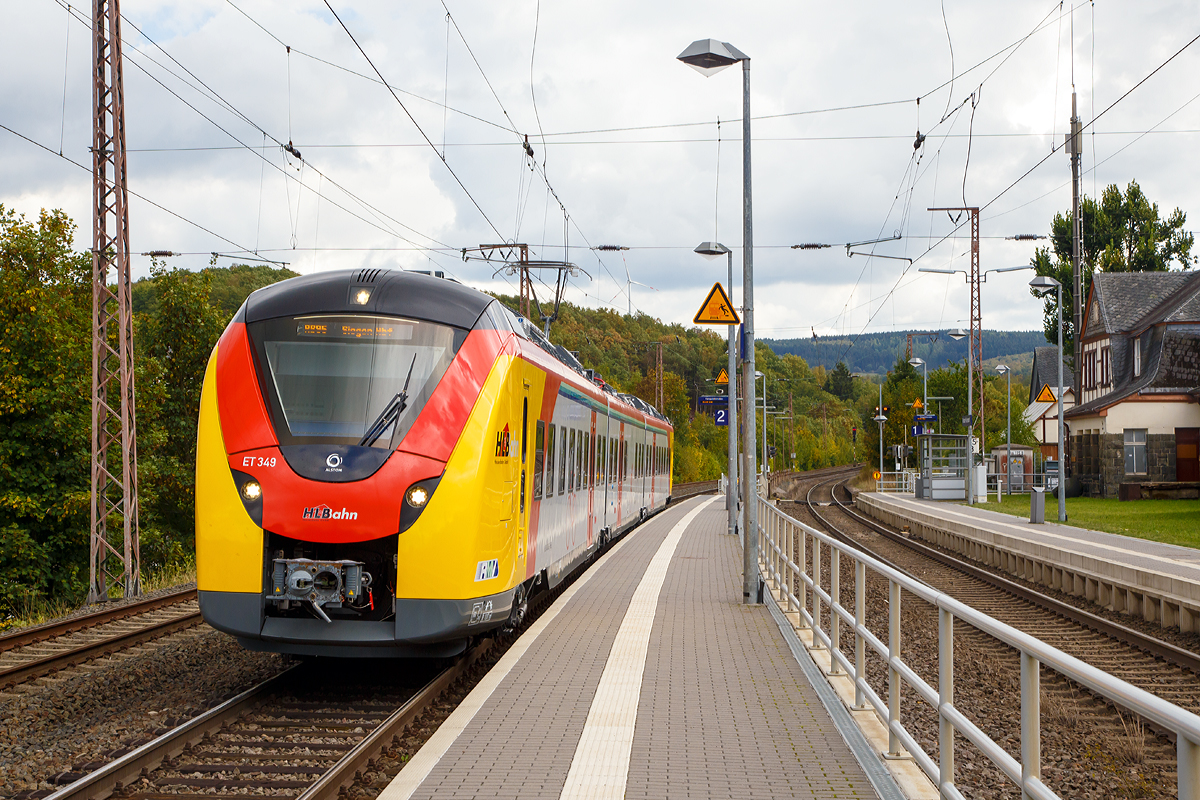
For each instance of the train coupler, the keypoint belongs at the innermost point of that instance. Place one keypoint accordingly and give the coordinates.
(321, 584)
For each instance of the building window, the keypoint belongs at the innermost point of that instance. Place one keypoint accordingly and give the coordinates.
(1106, 366)
(1135, 451)
(1137, 357)
(1089, 370)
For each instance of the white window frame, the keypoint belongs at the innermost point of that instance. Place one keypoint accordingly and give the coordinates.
(1135, 451)
(1137, 357)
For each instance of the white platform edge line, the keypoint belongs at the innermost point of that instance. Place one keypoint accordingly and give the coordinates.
(1023, 533)
(600, 768)
(420, 765)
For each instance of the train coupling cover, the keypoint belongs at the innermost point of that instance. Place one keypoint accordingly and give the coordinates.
(320, 583)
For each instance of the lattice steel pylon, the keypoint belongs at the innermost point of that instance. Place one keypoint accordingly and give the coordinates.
(975, 345)
(114, 557)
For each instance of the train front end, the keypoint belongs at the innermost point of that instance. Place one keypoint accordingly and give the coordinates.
(333, 407)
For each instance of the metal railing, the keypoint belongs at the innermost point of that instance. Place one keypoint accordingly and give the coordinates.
(788, 547)
(905, 481)
(1022, 483)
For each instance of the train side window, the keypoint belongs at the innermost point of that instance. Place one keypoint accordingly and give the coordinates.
(602, 458)
(571, 462)
(550, 462)
(578, 464)
(539, 457)
(562, 463)
(592, 456)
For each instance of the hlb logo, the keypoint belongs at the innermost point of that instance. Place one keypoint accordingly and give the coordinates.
(325, 512)
(502, 443)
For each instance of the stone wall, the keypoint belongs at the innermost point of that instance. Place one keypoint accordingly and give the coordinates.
(1160, 461)
(1112, 463)
(1160, 456)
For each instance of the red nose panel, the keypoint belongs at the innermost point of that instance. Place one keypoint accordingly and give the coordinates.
(244, 420)
(314, 511)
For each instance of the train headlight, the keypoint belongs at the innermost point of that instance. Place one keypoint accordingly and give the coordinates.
(251, 491)
(417, 496)
(361, 297)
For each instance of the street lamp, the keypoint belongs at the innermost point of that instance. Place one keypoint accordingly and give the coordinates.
(709, 56)
(920, 362)
(712, 250)
(880, 418)
(1042, 285)
(966, 275)
(958, 334)
(1004, 370)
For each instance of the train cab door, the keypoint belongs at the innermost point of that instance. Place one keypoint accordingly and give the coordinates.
(522, 494)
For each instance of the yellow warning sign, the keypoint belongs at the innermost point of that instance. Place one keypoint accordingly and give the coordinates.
(716, 309)
(917, 403)
(723, 377)
(1045, 395)
(876, 474)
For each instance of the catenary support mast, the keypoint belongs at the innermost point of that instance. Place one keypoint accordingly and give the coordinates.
(114, 558)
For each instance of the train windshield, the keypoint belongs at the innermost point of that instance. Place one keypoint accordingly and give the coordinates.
(350, 379)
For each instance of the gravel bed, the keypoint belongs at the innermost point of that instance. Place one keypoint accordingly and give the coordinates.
(1088, 749)
(60, 724)
(111, 604)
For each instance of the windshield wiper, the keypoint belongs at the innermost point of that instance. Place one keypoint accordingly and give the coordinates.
(391, 412)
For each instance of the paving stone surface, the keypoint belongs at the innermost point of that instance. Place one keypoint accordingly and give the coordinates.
(724, 711)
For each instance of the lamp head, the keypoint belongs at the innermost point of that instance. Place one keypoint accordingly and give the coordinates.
(711, 250)
(958, 334)
(1043, 285)
(1002, 369)
(709, 56)
(917, 362)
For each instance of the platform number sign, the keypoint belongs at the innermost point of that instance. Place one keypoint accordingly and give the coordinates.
(721, 416)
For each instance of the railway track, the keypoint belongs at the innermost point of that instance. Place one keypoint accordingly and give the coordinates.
(1157, 666)
(304, 733)
(33, 652)
(682, 491)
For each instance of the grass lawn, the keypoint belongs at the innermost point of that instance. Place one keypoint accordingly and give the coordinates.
(1167, 521)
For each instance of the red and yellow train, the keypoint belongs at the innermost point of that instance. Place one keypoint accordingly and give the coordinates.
(389, 463)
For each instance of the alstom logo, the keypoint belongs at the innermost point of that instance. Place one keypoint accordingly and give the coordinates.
(325, 512)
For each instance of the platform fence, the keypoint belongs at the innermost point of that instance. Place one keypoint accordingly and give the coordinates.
(905, 481)
(790, 558)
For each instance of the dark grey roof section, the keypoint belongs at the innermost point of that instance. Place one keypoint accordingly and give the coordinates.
(1045, 372)
(395, 292)
(1188, 310)
(1126, 298)
(1170, 365)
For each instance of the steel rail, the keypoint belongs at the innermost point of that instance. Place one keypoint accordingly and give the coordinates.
(18, 673)
(350, 766)
(102, 782)
(50, 630)
(112, 777)
(1148, 644)
(1034, 654)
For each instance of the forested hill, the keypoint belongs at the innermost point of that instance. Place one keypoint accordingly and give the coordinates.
(876, 353)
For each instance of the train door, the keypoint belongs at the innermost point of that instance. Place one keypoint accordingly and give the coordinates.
(524, 504)
(590, 473)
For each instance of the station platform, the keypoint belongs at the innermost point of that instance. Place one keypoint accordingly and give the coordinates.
(648, 678)
(1159, 582)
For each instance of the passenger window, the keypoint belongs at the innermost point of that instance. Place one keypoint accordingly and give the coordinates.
(571, 463)
(539, 456)
(562, 464)
(550, 463)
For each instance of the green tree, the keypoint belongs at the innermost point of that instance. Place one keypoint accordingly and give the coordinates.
(840, 384)
(1122, 232)
(45, 407)
(173, 347)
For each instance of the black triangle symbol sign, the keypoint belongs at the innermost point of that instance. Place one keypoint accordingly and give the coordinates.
(716, 309)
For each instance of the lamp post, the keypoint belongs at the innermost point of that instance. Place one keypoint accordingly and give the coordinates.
(880, 418)
(1004, 370)
(712, 250)
(763, 375)
(708, 56)
(920, 362)
(1042, 285)
(959, 334)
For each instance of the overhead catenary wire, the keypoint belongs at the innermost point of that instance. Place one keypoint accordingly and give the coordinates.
(217, 98)
(1026, 174)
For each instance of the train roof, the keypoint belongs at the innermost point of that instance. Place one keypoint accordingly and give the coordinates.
(394, 292)
(413, 295)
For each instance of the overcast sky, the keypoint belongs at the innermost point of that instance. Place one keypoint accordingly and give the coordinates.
(626, 136)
